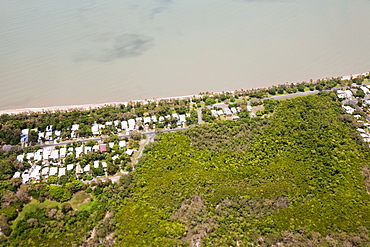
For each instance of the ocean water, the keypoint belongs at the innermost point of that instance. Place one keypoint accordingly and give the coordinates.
(93, 51)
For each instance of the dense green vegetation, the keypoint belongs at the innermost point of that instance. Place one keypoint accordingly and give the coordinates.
(299, 177)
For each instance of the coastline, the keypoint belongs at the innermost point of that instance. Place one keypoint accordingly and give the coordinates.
(53, 109)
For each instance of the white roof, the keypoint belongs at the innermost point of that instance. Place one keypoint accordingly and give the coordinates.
(25, 177)
(220, 112)
(62, 171)
(233, 110)
(115, 157)
(87, 168)
(58, 132)
(175, 115)
(124, 125)
(87, 149)
(129, 151)
(95, 128)
(116, 122)
(25, 131)
(139, 119)
(37, 156)
(70, 167)
(122, 144)
(154, 119)
(63, 152)
(161, 119)
(147, 120)
(182, 118)
(214, 113)
(53, 171)
(111, 144)
(75, 127)
(16, 175)
(45, 171)
(109, 123)
(249, 108)
(104, 164)
(96, 164)
(54, 154)
(20, 157)
(30, 155)
(41, 134)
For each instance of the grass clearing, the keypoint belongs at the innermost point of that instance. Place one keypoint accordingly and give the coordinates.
(32, 207)
(79, 199)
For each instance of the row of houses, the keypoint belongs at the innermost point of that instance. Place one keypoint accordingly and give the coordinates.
(348, 94)
(37, 172)
(57, 154)
(129, 125)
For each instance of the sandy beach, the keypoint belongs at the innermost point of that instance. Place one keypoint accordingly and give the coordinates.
(52, 109)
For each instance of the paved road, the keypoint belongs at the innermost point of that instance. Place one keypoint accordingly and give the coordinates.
(200, 120)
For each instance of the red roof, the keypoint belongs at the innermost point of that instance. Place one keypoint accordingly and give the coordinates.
(103, 147)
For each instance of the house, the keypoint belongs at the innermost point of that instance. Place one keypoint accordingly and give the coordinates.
(35, 172)
(87, 168)
(122, 144)
(187, 114)
(139, 119)
(79, 151)
(154, 119)
(182, 118)
(161, 119)
(54, 154)
(95, 129)
(249, 108)
(129, 151)
(365, 89)
(108, 123)
(95, 148)
(78, 169)
(116, 122)
(62, 171)
(220, 113)
(38, 156)
(25, 177)
(49, 133)
(63, 152)
(103, 147)
(131, 124)
(87, 149)
(214, 113)
(57, 134)
(111, 144)
(104, 164)
(233, 110)
(147, 120)
(45, 171)
(96, 164)
(46, 153)
(124, 125)
(348, 109)
(41, 135)
(20, 157)
(175, 115)
(227, 111)
(361, 130)
(16, 175)
(30, 155)
(24, 135)
(70, 167)
(53, 171)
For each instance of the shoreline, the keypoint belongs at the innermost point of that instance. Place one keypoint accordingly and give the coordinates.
(85, 107)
